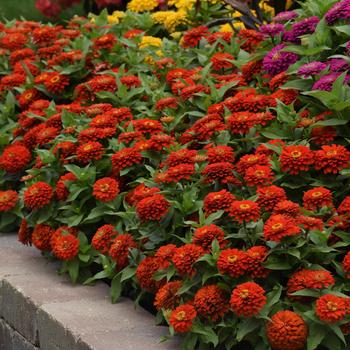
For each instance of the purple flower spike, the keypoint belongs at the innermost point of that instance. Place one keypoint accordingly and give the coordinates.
(310, 69)
(340, 10)
(277, 61)
(272, 29)
(285, 16)
(326, 82)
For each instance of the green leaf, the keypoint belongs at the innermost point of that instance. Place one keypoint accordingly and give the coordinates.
(128, 273)
(337, 331)
(206, 333)
(247, 326)
(116, 288)
(317, 332)
(73, 269)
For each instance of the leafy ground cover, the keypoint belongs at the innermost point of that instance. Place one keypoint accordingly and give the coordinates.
(204, 172)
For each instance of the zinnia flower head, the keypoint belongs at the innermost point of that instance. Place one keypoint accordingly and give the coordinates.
(125, 158)
(15, 158)
(312, 68)
(340, 10)
(181, 319)
(185, 257)
(287, 331)
(211, 302)
(272, 29)
(317, 198)
(216, 201)
(269, 196)
(106, 189)
(193, 36)
(277, 61)
(247, 299)
(233, 262)
(295, 159)
(66, 247)
(285, 16)
(119, 250)
(166, 296)
(331, 308)
(89, 151)
(326, 82)
(244, 211)
(256, 256)
(331, 159)
(152, 208)
(41, 237)
(279, 226)
(8, 200)
(204, 237)
(38, 195)
(103, 238)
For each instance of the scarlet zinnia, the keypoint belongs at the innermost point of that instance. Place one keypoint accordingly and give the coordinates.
(259, 175)
(193, 36)
(215, 201)
(346, 264)
(103, 238)
(185, 257)
(66, 247)
(256, 256)
(55, 82)
(119, 250)
(269, 196)
(286, 331)
(89, 151)
(146, 270)
(288, 208)
(219, 154)
(279, 226)
(331, 159)
(61, 189)
(8, 200)
(309, 279)
(152, 208)
(244, 211)
(41, 236)
(211, 302)
(247, 299)
(233, 262)
(330, 308)
(15, 158)
(218, 171)
(221, 60)
(204, 237)
(166, 297)
(106, 189)
(295, 159)
(25, 233)
(38, 195)
(182, 317)
(317, 198)
(125, 158)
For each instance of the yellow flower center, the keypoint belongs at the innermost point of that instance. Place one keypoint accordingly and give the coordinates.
(277, 226)
(295, 154)
(232, 258)
(244, 206)
(244, 293)
(181, 315)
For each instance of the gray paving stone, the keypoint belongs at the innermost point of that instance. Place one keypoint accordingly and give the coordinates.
(12, 340)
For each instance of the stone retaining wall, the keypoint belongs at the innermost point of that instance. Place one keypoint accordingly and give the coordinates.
(41, 310)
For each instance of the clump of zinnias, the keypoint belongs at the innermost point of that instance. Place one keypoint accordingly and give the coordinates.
(207, 175)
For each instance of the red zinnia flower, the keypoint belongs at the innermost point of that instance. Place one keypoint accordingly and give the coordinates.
(204, 237)
(287, 208)
(216, 201)
(256, 256)
(346, 264)
(105, 189)
(308, 279)
(66, 247)
(184, 258)
(25, 233)
(211, 302)
(233, 262)
(258, 175)
(317, 198)
(15, 158)
(250, 160)
(218, 171)
(331, 309)
(167, 102)
(140, 192)
(152, 208)
(125, 158)
(182, 317)
(103, 238)
(248, 299)
(38, 195)
(166, 297)
(146, 270)
(331, 159)
(287, 331)
(193, 36)
(119, 250)
(61, 190)
(89, 151)
(279, 226)
(219, 154)
(41, 236)
(55, 83)
(8, 200)
(269, 196)
(221, 60)
(106, 41)
(244, 211)
(295, 159)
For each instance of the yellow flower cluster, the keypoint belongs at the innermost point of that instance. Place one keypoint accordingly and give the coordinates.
(170, 19)
(142, 5)
(150, 41)
(115, 17)
(184, 5)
